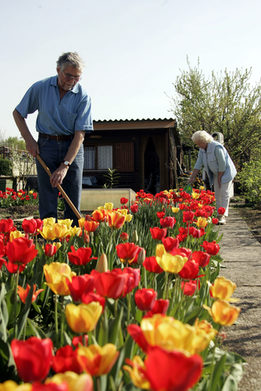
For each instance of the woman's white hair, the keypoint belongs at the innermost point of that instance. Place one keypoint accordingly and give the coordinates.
(202, 136)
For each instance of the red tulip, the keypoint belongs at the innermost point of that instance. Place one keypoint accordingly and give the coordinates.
(127, 251)
(188, 216)
(211, 248)
(170, 243)
(201, 258)
(134, 208)
(190, 270)
(152, 265)
(160, 214)
(6, 225)
(33, 358)
(124, 236)
(123, 200)
(66, 359)
(30, 226)
(50, 249)
(81, 256)
(80, 340)
(88, 297)
(215, 221)
(189, 287)
(132, 279)
(221, 211)
(80, 285)
(109, 284)
(145, 298)
(158, 233)
(167, 222)
(159, 307)
(20, 252)
(137, 335)
(171, 371)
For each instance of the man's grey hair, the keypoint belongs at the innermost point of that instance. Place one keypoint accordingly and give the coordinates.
(70, 58)
(202, 136)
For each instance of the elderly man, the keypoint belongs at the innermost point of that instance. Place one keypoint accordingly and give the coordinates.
(64, 116)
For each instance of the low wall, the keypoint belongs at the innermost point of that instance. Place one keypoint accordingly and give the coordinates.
(92, 198)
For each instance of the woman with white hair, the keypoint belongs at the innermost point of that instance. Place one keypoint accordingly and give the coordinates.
(219, 168)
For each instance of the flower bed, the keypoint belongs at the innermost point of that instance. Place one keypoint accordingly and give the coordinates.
(130, 299)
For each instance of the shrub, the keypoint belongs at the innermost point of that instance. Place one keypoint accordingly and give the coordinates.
(250, 182)
(5, 167)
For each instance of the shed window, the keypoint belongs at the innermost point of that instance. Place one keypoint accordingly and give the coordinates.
(101, 157)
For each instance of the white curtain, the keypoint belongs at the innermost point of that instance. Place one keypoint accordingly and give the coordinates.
(104, 157)
(89, 158)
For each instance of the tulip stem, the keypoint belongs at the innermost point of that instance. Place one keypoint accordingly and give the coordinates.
(166, 290)
(15, 303)
(56, 316)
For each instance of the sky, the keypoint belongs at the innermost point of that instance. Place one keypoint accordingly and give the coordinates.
(133, 50)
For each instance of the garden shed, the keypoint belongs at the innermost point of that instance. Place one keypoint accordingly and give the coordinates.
(145, 154)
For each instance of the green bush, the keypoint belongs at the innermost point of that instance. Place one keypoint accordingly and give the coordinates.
(250, 182)
(5, 167)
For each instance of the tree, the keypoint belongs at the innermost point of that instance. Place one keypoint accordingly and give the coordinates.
(14, 143)
(223, 103)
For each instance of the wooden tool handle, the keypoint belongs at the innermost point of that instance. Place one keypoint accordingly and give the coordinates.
(59, 187)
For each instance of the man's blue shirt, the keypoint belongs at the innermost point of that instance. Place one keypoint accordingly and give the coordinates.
(57, 116)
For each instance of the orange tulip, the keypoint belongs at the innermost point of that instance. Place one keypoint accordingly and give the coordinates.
(23, 293)
(116, 219)
(223, 313)
(98, 360)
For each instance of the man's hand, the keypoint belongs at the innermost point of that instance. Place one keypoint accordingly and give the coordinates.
(58, 175)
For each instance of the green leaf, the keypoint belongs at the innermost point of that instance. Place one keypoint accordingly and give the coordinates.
(230, 384)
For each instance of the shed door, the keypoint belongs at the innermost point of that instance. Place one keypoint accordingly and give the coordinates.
(124, 157)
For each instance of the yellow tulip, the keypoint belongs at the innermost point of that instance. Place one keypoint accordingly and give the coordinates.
(75, 382)
(223, 313)
(10, 385)
(171, 334)
(195, 195)
(56, 274)
(108, 206)
(206, 327)
(49, 221)
(222, 289)
(15, 235)
(98, 360)
(81, 222)
(52, 230)
(74, 231)
(168, 262)
(175, 210)
(83, 318)
(66, 222)
(201, 222)
(136, 375)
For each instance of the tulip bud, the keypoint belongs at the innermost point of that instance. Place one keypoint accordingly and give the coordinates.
(141, 256)
(102, 264)
(134, 237)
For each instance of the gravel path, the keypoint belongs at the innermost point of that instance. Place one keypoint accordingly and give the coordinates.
(242, 264)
